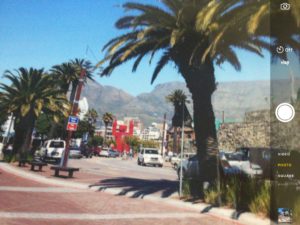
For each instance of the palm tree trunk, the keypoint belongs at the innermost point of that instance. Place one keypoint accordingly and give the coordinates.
(23, 135)
(200, 81)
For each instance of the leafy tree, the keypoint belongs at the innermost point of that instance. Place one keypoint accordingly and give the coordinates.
(95, 141)
(133, 142)
(31, 93)
(107, 118)
(43, 125)
(149, 144)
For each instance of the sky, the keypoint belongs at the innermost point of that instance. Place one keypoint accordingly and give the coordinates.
(43, 33)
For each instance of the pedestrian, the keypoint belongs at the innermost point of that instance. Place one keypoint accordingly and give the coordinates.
(130, 153)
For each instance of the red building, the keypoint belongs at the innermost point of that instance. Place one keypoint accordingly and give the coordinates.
(120, 131)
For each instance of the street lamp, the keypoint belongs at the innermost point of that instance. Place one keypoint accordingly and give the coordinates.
(181, 151)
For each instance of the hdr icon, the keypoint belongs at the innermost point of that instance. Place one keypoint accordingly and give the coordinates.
(285, 62)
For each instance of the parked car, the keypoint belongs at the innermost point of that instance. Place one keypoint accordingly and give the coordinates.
(86, 151)
(104, 153)
(190, 168)
(75, 153)
(150, 156)
(251, 169)
(96, 150)
(175, 160)
(53, 149)
(112, 153)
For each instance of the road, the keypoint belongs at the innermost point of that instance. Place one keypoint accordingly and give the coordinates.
(126, 174)
(27, 202)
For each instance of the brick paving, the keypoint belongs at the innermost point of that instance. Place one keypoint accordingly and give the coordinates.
(26, 202)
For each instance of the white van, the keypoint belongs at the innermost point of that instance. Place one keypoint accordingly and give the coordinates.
(53, 149)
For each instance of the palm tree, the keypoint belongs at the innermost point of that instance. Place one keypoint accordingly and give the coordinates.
(107, 119)
(68, 74)
(31, 93)
(92, 117)
(177, 98)
(191, 35)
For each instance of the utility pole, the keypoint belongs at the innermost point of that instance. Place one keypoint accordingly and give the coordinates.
(163, 134)
(223, 116)
(181, 152)
(74, 112)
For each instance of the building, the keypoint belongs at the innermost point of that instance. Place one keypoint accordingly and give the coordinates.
(152, 132)
(84, 108)
(8, 127)
(137, 125)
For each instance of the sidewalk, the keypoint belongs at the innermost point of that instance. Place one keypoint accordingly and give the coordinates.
(83, 181)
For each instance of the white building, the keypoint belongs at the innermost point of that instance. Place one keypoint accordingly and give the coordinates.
(84, 107)
(8, 127)
(151, 133)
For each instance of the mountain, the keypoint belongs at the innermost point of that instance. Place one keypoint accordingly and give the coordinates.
(234, 98)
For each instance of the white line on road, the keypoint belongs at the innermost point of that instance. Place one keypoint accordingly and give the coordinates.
(75, 216)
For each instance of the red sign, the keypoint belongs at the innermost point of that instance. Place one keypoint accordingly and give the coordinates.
(72, 126)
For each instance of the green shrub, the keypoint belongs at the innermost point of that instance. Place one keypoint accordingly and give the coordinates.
(211, 196)
(261, 202)
(186, 191)
(296, 212)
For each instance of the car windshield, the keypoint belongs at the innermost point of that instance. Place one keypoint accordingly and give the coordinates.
(151, 151)
(56, 144)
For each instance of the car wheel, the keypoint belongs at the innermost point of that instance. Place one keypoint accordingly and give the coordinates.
(138, 162)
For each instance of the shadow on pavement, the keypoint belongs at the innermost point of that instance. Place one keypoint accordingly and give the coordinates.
(139, 187)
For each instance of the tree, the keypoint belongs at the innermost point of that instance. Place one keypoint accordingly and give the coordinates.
(194, 35)
(107, 118)
(31, 93)
(133, 142)
(95, 141)
(178, 99)
(68, 74)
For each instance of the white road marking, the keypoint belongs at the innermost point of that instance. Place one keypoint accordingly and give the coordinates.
(40, 189)
(86, 216)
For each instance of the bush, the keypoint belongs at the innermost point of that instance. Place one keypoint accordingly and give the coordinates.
(261, 202)
(296, 212)
(211, 196)
(186, 191)
(242, 193)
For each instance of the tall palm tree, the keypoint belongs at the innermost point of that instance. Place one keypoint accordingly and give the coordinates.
(178, 99)
(68, 74)
(31, 93)
(92, 117)
(183, 31)
(107, 118)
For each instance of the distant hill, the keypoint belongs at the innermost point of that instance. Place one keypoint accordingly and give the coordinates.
(234, 98)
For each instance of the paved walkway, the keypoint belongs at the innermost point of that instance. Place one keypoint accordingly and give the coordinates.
(24, 201)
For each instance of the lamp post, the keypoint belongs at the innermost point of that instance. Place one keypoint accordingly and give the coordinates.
(181, 152)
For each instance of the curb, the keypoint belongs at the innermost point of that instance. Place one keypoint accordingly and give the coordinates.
(221, 213)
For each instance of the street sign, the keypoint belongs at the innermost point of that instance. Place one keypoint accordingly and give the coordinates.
(72, 126)
(73, 119)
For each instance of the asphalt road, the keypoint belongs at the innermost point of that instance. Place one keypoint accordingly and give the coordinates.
(126, 174)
